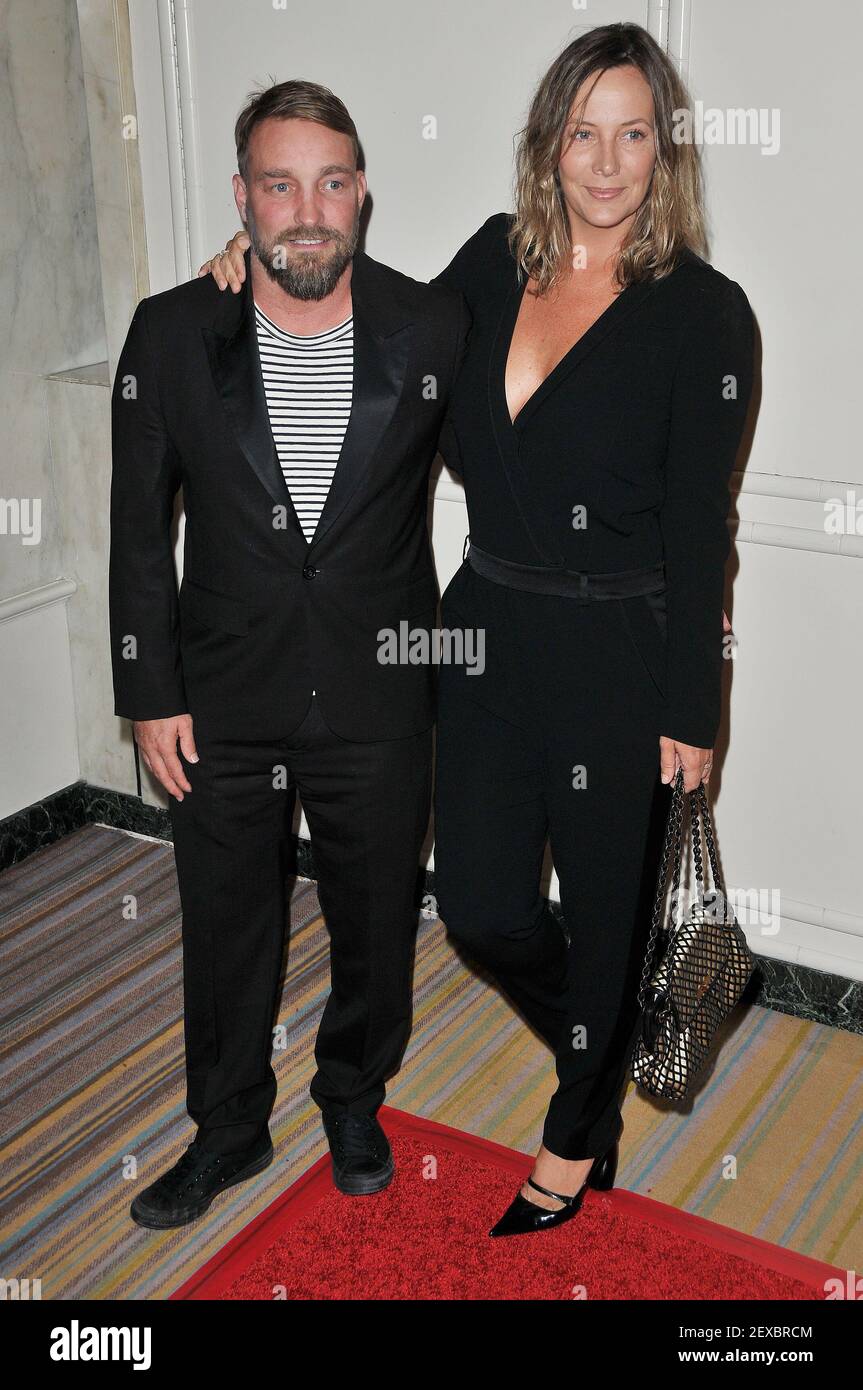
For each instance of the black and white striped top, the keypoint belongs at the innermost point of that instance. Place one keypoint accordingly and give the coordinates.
(308, 382)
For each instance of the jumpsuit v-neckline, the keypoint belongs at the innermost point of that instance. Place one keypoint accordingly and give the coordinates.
(503, 345)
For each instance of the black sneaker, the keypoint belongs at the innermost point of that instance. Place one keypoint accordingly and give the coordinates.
(362, 1159)
(186, 1190)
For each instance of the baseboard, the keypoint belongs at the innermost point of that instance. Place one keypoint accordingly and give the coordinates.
(799, 990)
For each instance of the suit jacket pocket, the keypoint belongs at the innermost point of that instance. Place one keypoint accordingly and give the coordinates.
(214, 610)
(645, 619)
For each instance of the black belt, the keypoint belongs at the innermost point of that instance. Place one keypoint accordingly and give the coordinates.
(542, 579)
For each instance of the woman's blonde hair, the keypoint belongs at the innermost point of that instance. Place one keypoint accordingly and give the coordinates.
(671, 215)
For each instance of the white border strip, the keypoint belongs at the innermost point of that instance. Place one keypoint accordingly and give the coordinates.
(177, 153)
(755, 532)
(676, 19)
(28, 602)
(184, 43)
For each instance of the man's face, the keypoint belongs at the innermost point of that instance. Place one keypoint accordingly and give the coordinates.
(301, 204)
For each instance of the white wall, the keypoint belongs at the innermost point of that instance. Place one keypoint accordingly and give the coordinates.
(784, 225)
(50, 319)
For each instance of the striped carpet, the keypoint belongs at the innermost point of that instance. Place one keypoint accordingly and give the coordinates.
(92, 1086)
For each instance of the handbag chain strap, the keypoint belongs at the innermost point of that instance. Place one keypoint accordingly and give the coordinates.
(674, 833)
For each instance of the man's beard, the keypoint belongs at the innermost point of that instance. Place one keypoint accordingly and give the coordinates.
(303, 274)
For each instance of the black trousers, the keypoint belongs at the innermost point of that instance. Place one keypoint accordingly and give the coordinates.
(367, 805)
(557, 740)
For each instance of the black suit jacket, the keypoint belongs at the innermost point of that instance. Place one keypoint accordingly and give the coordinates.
(262, 617)
(639, 426)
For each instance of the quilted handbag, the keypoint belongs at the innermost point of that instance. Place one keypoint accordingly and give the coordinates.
(704, 964)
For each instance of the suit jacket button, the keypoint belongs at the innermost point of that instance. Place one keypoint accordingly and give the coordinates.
(309, 571)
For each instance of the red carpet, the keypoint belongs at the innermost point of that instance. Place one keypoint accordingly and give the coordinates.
(426, 1237)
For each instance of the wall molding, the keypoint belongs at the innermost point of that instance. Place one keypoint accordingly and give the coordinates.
(172, 87)
(790, 488)
(32, 599)
(670, 22)
(176, 41)
(796, 538)
(773, 485)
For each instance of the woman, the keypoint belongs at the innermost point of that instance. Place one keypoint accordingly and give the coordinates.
(595, 423)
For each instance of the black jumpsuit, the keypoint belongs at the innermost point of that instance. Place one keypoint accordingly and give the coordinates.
(620, 460)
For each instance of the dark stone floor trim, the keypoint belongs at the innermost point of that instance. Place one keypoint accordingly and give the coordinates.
(792, 989)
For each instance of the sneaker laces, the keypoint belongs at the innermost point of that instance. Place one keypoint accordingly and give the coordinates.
(354, 1135)
(190, 1167)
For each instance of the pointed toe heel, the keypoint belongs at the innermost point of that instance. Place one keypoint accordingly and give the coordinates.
(523, 1216)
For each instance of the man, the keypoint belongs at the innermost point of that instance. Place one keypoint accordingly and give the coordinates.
(300, 417)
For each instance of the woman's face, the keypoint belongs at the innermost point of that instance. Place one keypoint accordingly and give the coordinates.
(609, 154)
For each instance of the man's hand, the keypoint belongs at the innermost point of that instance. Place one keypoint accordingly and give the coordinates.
(228, 267)
(157, 740)
(696, 762)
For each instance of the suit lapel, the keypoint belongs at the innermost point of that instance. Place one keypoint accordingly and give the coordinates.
(232, 349)
(382, 340)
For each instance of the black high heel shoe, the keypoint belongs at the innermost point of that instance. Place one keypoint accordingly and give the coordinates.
(523, 1215)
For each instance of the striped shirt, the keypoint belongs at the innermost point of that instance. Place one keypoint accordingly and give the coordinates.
(308, 383)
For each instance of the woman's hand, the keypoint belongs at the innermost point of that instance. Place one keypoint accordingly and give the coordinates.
(228, 267)
(696, 762)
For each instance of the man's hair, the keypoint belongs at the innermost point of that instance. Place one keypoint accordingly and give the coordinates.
(286, 100)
